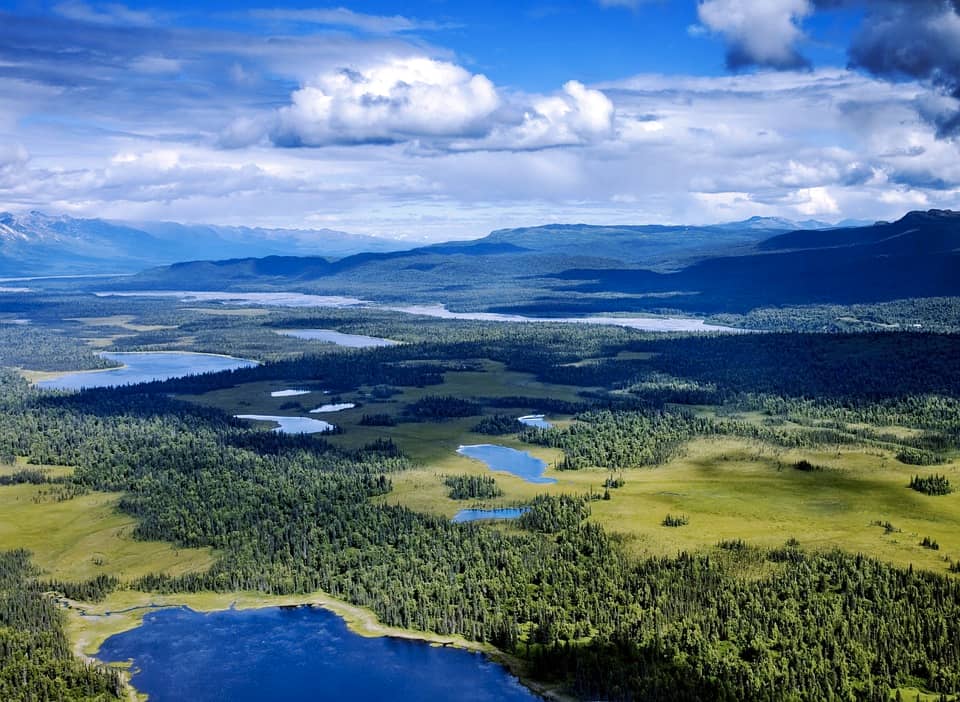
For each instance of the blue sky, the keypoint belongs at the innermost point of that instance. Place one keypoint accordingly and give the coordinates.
(434, 119)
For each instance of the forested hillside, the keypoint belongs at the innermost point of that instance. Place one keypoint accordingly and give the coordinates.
(578, 270)
(294, 514)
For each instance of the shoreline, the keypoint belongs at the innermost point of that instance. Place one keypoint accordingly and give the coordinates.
(88, 626)
(37, 376)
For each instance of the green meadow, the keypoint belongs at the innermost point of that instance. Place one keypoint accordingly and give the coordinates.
(729, 487)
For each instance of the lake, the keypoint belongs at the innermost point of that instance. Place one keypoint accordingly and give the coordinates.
(655, 324)
(331, 336)
(478, 515)
(659, 324)
(144, 367)
(291, 425)
(535, 420)
(508, 460)
(271, 299)
(299, 653)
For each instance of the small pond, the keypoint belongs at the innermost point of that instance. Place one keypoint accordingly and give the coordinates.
(339, 407)
(535, 420)
(477, 515)
(508, 460)
(331, 336)
(291, 425)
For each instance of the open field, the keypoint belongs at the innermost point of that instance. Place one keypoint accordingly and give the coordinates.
(730, 488)
(733, 489)
(82, 537)
(425, 442)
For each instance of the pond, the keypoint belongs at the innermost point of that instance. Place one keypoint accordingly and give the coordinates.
(339, 407)
(291, 425)
(535, 420)
(331, 336)
(508, 460)
(145, 367)
(289, 392)
(477, 515)
(296, 653)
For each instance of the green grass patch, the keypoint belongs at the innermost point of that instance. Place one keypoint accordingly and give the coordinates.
(86, 536)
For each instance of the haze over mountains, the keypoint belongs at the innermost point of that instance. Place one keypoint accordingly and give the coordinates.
(571, 269)
(35, 243)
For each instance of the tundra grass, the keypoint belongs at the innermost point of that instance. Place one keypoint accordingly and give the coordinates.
(85, 536)
(729, 488)
(735, 489)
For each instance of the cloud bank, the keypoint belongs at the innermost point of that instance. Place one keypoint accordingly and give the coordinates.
(435, 104)
(379, 132)
(896, 40)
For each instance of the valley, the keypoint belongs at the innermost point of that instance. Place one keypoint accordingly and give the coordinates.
(600, 351)
(780, 456)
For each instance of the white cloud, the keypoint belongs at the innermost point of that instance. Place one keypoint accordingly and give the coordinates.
(394, 100)
(155, 65)
(575, 116)
(815, 202)
(107, 13)
(434, 105)
(13, 163)
(760, 32)
(343, 17)
(828, 144)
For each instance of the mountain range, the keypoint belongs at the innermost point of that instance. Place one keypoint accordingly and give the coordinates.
(571, 269)
(34, 244)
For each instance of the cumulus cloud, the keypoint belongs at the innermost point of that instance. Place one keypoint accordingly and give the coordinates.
(395, 100)
(445, 152)
(437, 105)
(577, 115)
(758, 32)
(918, 39)
(897, 39)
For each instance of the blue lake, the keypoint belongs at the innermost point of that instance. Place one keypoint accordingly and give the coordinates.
(290, 425)
(276, 299)
(330, 336)
(144, 367)
(478, 515)
(508, 460)
(535, 420)
(300, 653)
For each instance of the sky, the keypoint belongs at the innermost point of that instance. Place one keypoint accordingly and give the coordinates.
(435, 120)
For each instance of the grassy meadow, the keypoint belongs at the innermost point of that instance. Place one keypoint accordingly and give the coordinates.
(729, 487)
